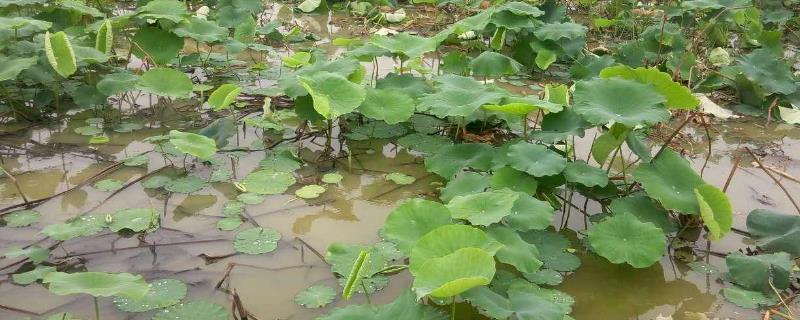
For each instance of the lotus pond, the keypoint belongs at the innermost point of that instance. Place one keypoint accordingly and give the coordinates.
(543, 160)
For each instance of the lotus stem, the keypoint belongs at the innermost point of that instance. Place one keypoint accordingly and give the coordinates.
(453, 309)
(96, 309)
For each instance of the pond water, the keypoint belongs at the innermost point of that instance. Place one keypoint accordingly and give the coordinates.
(50, 160)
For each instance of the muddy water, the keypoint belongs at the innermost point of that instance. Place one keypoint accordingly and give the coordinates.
(47, 160)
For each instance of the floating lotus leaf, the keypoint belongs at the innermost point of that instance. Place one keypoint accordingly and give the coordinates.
(465, 184)
(451, 159)
(760, 272)
(156, 44)
(715, 210)
(405, 307)
(310, 191)
(545, 277)
(194, 144)
(332, 93)
(229, 223)
(21, 218)
(163, 293)
(536, 160)
(156, 182)
(26, 278)
(515, 251)
(124, 127)
(193, 310)
(136, 220)
(187, 184)
(411, 220)
(391, 106)
(600, 101)
(35, 253)
(774, 231)
(622, 238)
(97, 284)
(315, 296)
(283, 161)
(268, 182)
(108, 185)
(400, 178)
(256, 240)
(531, 302)
(81, 226)
(678, 96)
(137, 160)
(670, 180)
(748, 299)
(581, 173)
(333, 177)
(250, 198)
(166, 82)
(424, 143)
(483, 208)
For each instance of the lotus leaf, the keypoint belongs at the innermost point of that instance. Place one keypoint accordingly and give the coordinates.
(268, 181)
(193, 310)
(187, 184)
(715, 210)
(315, 296)
(622, 238)
(256, 240)
(515, 251)
(332, 93)
(97, 284)
(21, 218)
(760, 272)
(224, 96)
(411, 220)
(586, 175)
(166, 82)
(483, 208)
(670, 180)
(465, 184)
(774, 231)
(60, 54)
(599, 102)
(163, 293)
(194, 144)
(451, 159)
(678, 96)
(390, 106)
(310, 191)
(536, 160)
(81, 226)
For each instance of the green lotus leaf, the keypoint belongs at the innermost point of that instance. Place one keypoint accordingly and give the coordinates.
(553, 250)
(166, 82)
(309, 5)
(80, 226)
(315, 296)
(105, 37)
(670, 180)
(60, 54)
(609, 141)
(489, 302)
(332, 93)
(748, 299)
(515, 251)
(156, 44)
(89, 55)
(25, 26)
(560, 126)
(768, 71)
(545, 277)
(405, 307)
(483, 208)
(201, 30)
(233, 209)
(557, 31)
(35, 253)
(411, 85)
(187, 184)
(457, 101)
(622, 238)
(451, 159)
(342, 257)
(406, 44)
(715, 210)
(447, 239)
(411, 220)
(88, 130)
(536, 160)
(454, 273)
(545, 58)
(646, 210)
(124, 127)
(531, 302)
(775, 232)
(137, 160)
(194, 144)
(229, 223)
(245, 31)
(713, 4)
(108, 185)
(529, 213)
(400, 178)
(156, 182)
(424, 143)
(310, 191)
(250, 198)
(465, 184)
(391, 106)
(97, 284)
(581, 173)
(172, 10)
(333, 177)
(163, 293)
(282, 161)
(599, 102)
(256, 240)
(491, 64)
(224, 96)
(136, 220)
(376, 130)
(268, 182)
(760, 272)
(193, 310)
(297, 59)
(10, 67)
(678, 96)
(116, 83)
(26, 278)
(21, 218)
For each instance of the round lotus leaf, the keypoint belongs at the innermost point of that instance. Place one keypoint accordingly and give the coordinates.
(98, 284)
(310, 191)
(81, 226)
(108, 185)
(508, 177)
(268, 182)
(116, 83)
(391, 106)
(622, 238)
(748, 299)
(449, 160)
(136, 220)
(400, 178)
(599, 102)
(411, 220)
(333, 177)
(137, 160)
(156, 44)
(581, 173)
(163, 293)
(536, 160)
(21, 218)
(250, 198)
(187, 184)
(256, 240)
(229, 223)
(166, 82)
(529, 213)
(464, 184)
(545, 277)
(530, 301)
(483, 208)
(424, 143)
(315, 296)
(156, 182)
(26, 278)
(670, 180)
(233, 208)
(193, 310)
(333, 95)
(515, 251)
(201, 30)
(553, 250)
(194, 144)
